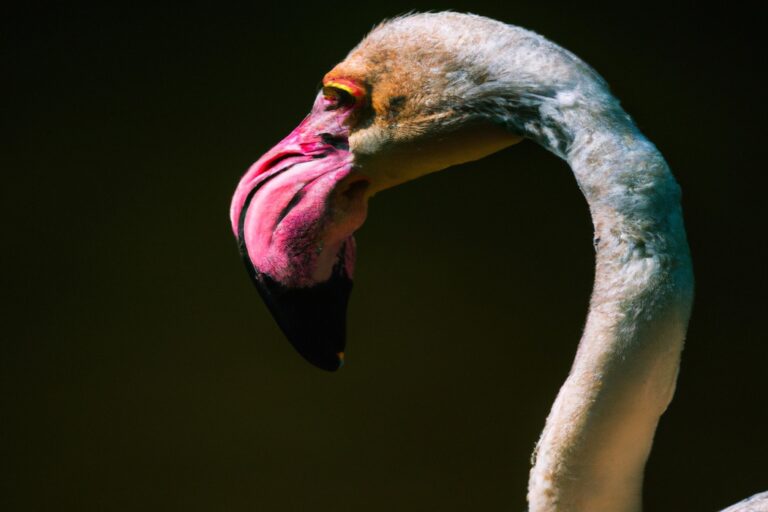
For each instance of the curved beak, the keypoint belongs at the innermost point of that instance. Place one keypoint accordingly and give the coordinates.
(294, 213)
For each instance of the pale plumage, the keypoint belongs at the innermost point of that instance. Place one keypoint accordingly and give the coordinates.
(424, 92)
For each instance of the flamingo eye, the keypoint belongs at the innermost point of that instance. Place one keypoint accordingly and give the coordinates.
(342, 94)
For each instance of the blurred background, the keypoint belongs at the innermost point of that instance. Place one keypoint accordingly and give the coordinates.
(139, 369)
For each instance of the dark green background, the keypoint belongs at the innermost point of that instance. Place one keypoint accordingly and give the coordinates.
(140, 371)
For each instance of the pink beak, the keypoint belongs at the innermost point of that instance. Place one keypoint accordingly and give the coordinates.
(294, 213)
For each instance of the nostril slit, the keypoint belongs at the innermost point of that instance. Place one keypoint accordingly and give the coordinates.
(279, 159)
(290, 206)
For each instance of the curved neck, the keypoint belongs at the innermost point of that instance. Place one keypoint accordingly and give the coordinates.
(592, 452)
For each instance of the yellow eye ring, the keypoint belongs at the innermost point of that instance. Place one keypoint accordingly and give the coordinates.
(345, 91)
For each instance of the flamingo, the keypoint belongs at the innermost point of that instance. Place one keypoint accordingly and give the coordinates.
(421, 93)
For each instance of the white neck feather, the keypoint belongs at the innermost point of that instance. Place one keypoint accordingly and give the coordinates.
(598, 435)
(597, 438)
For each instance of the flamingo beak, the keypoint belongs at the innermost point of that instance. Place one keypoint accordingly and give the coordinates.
(294, 213)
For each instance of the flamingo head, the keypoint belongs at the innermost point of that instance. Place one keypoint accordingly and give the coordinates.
(393, 110)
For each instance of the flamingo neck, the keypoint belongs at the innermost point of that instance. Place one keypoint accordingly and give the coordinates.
(597, 438)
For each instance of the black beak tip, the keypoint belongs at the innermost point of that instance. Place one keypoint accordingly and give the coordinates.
(313, 318)
(327, 363)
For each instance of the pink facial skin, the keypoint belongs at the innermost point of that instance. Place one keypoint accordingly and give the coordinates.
(295, 209)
